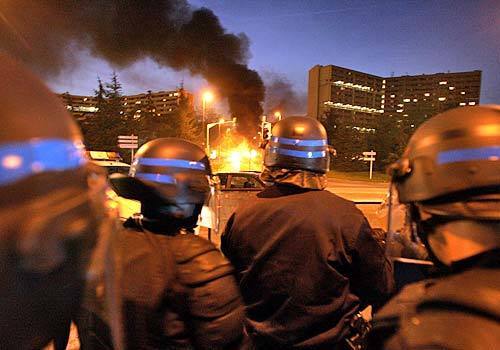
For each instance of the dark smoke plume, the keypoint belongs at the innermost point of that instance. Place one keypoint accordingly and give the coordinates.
(45, 33)
(281, 96)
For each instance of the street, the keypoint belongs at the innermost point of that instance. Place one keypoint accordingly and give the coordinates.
(367, 196)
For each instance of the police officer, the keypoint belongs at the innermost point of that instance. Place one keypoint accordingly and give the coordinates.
(449, 176)
(52, 213)
(179, 292)
(307, 260)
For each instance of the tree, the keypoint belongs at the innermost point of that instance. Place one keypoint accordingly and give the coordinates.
(188, 127)
(346, 136)
(109, 120)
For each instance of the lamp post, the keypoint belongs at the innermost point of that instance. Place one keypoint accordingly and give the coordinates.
(207, 97)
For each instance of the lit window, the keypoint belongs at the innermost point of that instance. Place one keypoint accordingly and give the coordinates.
(443, 82)
(164, 99)
(405, 115)
(462, 103)
(392, 96)
(137, 102)
(415, 100)
(121, 112)
(400, 105)
(462, 92)
(472, 103)
(427, 94)
(85, 99)
(383, 81)
(406, 100)
(125, 104)
(138, 111)
(451, 88)
(399, 110)
(442, 98)
(383, 96)
(412, 125)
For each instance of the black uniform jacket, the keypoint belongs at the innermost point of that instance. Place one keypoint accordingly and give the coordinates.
(460, 311)
(304, 259)
(179, 292)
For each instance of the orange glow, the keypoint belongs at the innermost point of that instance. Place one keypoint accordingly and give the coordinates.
(236, 153)
(208, 96)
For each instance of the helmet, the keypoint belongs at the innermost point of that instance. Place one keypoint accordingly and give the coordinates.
(453, 156)
(298, 143)
(168, 171)
(50, 211)
(449, 176)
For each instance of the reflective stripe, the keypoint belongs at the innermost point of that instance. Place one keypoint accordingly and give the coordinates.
(175, 163)
(161, 178)
(298, 154)
(467, 154)
(297, 142)
(22, 159)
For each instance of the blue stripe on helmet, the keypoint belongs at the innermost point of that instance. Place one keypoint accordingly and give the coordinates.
(175, 163)
(297, 142)
(22, 159)
(161, 178)
(298, 154)
(467, 154)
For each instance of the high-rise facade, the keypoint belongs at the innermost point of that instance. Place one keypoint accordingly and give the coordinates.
(344, 90)
(365, 96)
(159, 103)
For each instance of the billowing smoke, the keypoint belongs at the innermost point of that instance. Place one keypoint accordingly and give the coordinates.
(45, 34)
(281, 96)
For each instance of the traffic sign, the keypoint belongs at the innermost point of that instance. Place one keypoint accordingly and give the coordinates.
(369, 159)
(128, 145)
(370, 153)
(128, 137)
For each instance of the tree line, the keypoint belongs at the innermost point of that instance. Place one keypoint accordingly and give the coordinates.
(386, 135)
(102, 128)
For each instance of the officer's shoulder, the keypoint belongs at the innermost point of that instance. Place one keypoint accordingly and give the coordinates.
(438, 311)
(198, 260)
(445, 329)
(404, 302)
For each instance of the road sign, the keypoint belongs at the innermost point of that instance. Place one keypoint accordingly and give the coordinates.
(130, 142)
(128, 145)
(370, 157)
(128, 137)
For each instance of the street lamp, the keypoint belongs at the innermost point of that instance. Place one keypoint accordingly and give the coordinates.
(207, 97)
(277, 115)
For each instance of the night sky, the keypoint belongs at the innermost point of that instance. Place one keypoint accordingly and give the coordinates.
(378, 37)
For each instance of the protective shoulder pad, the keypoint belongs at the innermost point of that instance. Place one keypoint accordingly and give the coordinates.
(445, 329)
(476, 290)
(198, 260)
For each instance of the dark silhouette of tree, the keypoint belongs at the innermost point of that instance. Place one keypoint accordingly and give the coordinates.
(109, 121)
(349, 141)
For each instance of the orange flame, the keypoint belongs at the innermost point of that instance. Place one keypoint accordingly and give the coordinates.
(233, 152)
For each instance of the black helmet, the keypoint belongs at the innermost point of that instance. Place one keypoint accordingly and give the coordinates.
(298, 143)
(166, 170)
(51, 211)
(450, 159)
